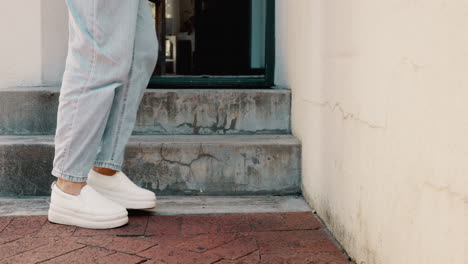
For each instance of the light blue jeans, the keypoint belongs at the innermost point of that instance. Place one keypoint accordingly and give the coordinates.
(112, 52)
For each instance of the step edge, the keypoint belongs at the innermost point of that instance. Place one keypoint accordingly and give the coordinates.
(170, 139)
(178, 205)
(56, 89)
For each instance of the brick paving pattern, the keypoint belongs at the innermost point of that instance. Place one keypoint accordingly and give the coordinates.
(224, 239)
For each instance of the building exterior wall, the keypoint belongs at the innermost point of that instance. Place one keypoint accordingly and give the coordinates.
(34, 42)
(20, 53)
(379, 103)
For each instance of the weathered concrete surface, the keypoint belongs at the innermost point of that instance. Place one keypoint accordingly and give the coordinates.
(28, 111)
(33, 111)
(176, 205)
(195, 165)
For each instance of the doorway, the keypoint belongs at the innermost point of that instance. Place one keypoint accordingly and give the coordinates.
(214, 43)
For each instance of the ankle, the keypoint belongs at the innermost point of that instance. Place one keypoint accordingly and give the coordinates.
(70, 187)
(104, 171)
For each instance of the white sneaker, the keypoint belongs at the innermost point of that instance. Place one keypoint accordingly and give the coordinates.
(89, 209)
(120, 189)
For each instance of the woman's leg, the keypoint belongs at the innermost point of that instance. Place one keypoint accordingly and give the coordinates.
(100, 57)
(126, 100)
(99, 60)
(118, 187)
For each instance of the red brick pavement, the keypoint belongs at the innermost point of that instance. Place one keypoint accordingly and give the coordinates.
(224, 239)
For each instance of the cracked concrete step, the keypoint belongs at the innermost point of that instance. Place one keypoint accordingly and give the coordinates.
(170, 165)
(33, 111)
(176, 205)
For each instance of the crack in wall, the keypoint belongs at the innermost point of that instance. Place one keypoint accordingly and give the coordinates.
(346, 115)
(446, 189)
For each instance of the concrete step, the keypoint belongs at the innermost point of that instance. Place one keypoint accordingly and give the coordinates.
(33, 111)
(170, 165)
(176, 205)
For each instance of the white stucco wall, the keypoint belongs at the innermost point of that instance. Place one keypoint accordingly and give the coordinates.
(33, 42)
(20, 56)
(380, 93)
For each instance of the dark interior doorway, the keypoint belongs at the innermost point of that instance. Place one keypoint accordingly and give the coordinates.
(222, 45)
(210, 37)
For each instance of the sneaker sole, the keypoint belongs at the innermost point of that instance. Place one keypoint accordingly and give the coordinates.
(133, 204)
(75, 219)
(128, 204)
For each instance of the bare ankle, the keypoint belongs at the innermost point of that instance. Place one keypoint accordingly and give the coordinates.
(70, 187)
(104, 171)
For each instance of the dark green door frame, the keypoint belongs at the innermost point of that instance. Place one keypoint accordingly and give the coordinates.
(266, 80)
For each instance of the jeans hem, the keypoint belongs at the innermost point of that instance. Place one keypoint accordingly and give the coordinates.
(108, 165)
(68, 177)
